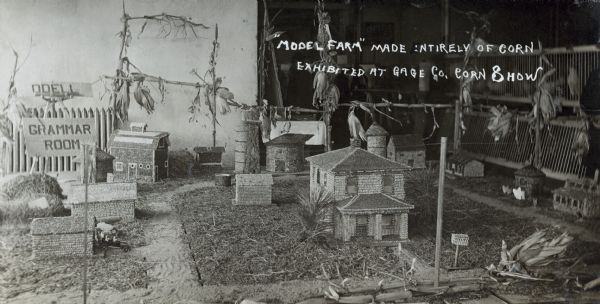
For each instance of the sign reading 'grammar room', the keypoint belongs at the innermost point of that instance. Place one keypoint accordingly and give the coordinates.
(57, 137)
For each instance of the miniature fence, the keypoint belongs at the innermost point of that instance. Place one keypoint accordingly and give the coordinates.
(584, 59)
(20, 161)
(515, 149)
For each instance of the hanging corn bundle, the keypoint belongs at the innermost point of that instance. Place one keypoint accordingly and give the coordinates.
(581, 144)
(499, 123)
(356, 129)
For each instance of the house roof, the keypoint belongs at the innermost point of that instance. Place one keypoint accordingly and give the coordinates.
(289, 138)
(100, 156)
(529, 171)
(372, 202)
(144, 140)
(351, 159)
(460, 159)
(407, 142)
(376, 130)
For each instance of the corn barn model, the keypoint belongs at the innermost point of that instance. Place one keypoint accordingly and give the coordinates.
(140, 155)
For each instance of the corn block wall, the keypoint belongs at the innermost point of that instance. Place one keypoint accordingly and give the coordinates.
(123, 209)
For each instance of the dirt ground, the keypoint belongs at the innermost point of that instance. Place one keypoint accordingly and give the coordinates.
(173, 258)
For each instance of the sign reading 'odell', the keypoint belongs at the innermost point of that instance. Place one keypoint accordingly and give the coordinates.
(58, 137)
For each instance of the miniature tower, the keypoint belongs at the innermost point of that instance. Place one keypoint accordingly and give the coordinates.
(376, 139)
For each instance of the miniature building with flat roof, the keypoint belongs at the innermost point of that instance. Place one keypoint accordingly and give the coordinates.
(285, 153)
(141, 156)
(407, 149)
(371, 215)
(464, 166)
(104, 200)
(60, 237)
(253, 189)
(103, 165)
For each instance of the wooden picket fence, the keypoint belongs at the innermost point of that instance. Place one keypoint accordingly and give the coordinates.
(17, 159)
(515, 149)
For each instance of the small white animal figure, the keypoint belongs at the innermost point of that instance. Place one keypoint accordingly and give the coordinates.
(519, 193)
(506, 190)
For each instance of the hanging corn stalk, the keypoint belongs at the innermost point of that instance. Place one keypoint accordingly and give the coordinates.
(124, 79)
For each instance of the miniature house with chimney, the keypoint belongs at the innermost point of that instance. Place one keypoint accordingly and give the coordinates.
(140, 155)
(368, 189)
(407, 149)
(103, 165)
(285, 153)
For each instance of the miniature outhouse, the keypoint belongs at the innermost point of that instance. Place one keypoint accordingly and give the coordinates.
(531, 181)
(59, 237)
(140, 155)
(371, 215)
(253, 189)
(407, 149)
(376, 139)
(286, 153)
(461, 165)
(103, 165)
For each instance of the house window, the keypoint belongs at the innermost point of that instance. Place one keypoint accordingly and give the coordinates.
(132, 165)
(388, 184)
(148, 166)
(119, 166)
(410, 162)
(362, 225)
(324, 179)
(166, 164)
(318, 176)
(352, 185)
(141, 166)
(387, 221)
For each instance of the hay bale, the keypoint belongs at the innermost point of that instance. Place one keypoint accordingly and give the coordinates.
(17, 191)
(181, 163)
(29, 186)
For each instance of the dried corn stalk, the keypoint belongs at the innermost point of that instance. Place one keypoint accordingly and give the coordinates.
(499, 123)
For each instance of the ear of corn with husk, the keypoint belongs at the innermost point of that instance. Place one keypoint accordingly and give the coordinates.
(499, 123)
(536, 250)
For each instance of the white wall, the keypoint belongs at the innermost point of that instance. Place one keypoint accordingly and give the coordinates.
(74, 40)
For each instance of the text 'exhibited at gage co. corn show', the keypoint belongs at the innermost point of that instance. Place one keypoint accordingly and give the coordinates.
(58, 137)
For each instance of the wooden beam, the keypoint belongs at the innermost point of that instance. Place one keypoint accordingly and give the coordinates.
(308, 5)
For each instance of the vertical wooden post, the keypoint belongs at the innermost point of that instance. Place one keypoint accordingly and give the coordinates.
(440, 208)
(537, 151)
(445, 21)
(85, 221)
(457, 126)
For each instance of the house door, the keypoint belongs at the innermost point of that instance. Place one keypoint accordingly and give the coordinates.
(362, 225)
(132, 172)
(279, 165)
